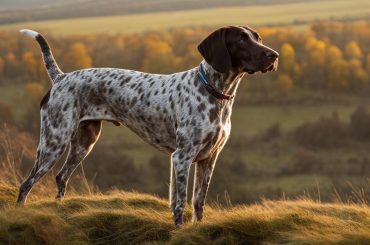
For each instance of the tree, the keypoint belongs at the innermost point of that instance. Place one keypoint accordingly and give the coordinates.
(288, 62)
(334, 54)
(316, 50)
(353, 51)
(30, 64)
(285, 84)
(77, 57)
(357, 73)
(11, 66)
(158, 57)
(315, 63)
(338, 75)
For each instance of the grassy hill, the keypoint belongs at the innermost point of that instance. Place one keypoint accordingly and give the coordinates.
(125, 217)
(296, 14)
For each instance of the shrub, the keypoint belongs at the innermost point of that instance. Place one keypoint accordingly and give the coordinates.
(325, 132)
(360, 123)
(303, 162)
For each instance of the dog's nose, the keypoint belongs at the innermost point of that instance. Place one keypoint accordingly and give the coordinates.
(271, 54)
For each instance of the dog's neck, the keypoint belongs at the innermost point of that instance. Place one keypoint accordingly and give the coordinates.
(226, 83)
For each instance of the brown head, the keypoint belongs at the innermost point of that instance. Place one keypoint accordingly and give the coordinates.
(238, 49)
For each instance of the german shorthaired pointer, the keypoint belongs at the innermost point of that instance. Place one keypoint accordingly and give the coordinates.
(186, 114)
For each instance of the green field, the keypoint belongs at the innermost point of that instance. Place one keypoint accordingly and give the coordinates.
(282, 14)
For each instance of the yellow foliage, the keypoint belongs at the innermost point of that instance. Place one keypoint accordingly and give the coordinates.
(353, 51)
(338, 74)
(30, 63)
(288, 63)
(10, 57)
(287, 56)
(334, 53)
(285, 83)
(158, 57)
(358, 73)
(77, 57)
(316, 50)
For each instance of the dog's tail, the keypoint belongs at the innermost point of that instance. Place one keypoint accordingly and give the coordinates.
(50, 63)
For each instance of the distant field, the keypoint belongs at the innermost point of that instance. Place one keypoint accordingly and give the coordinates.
(282, 14)
(246, 120)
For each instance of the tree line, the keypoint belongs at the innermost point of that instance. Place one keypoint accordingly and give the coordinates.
(330, 55)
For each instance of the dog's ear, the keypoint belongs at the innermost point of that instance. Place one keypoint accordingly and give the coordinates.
(214, 50)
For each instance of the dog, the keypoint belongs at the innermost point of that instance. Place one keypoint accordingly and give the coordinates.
(186, 114)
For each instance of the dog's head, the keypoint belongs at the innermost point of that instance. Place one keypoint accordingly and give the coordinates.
(238, 48)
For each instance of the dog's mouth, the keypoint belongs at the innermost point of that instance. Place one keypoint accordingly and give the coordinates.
(272, 67)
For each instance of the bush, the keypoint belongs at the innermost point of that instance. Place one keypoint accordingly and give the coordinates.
(326, 132)
(360, 123)
(303, 162)
(272, 132)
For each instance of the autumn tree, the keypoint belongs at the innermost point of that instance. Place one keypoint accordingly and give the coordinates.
(288, 63)
(285, 84)
(358, 75)
(77, 57)
(315, 64)
(338, 75)
(158, 57)
(11, 66)
(333, 54)
(30, 64)
(353, 51)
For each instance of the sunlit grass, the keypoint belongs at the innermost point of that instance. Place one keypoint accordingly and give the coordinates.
(125, 217)
(117, 217)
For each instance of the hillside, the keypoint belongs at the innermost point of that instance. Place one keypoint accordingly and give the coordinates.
(26, 10)
(125, 217)
(296, 15)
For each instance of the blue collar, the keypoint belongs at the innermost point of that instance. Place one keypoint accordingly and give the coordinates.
(210, 88)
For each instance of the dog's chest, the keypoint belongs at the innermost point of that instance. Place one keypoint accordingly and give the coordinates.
(216, 134)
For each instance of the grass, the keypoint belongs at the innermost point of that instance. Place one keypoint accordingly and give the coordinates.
(282, 14)
(133, 218)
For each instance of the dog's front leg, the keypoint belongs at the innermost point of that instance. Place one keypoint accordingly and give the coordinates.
(202, 178)
(181, 165)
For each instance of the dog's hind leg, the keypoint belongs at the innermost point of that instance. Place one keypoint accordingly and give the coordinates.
(56, 131)
(83, 141)
(47, 155)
